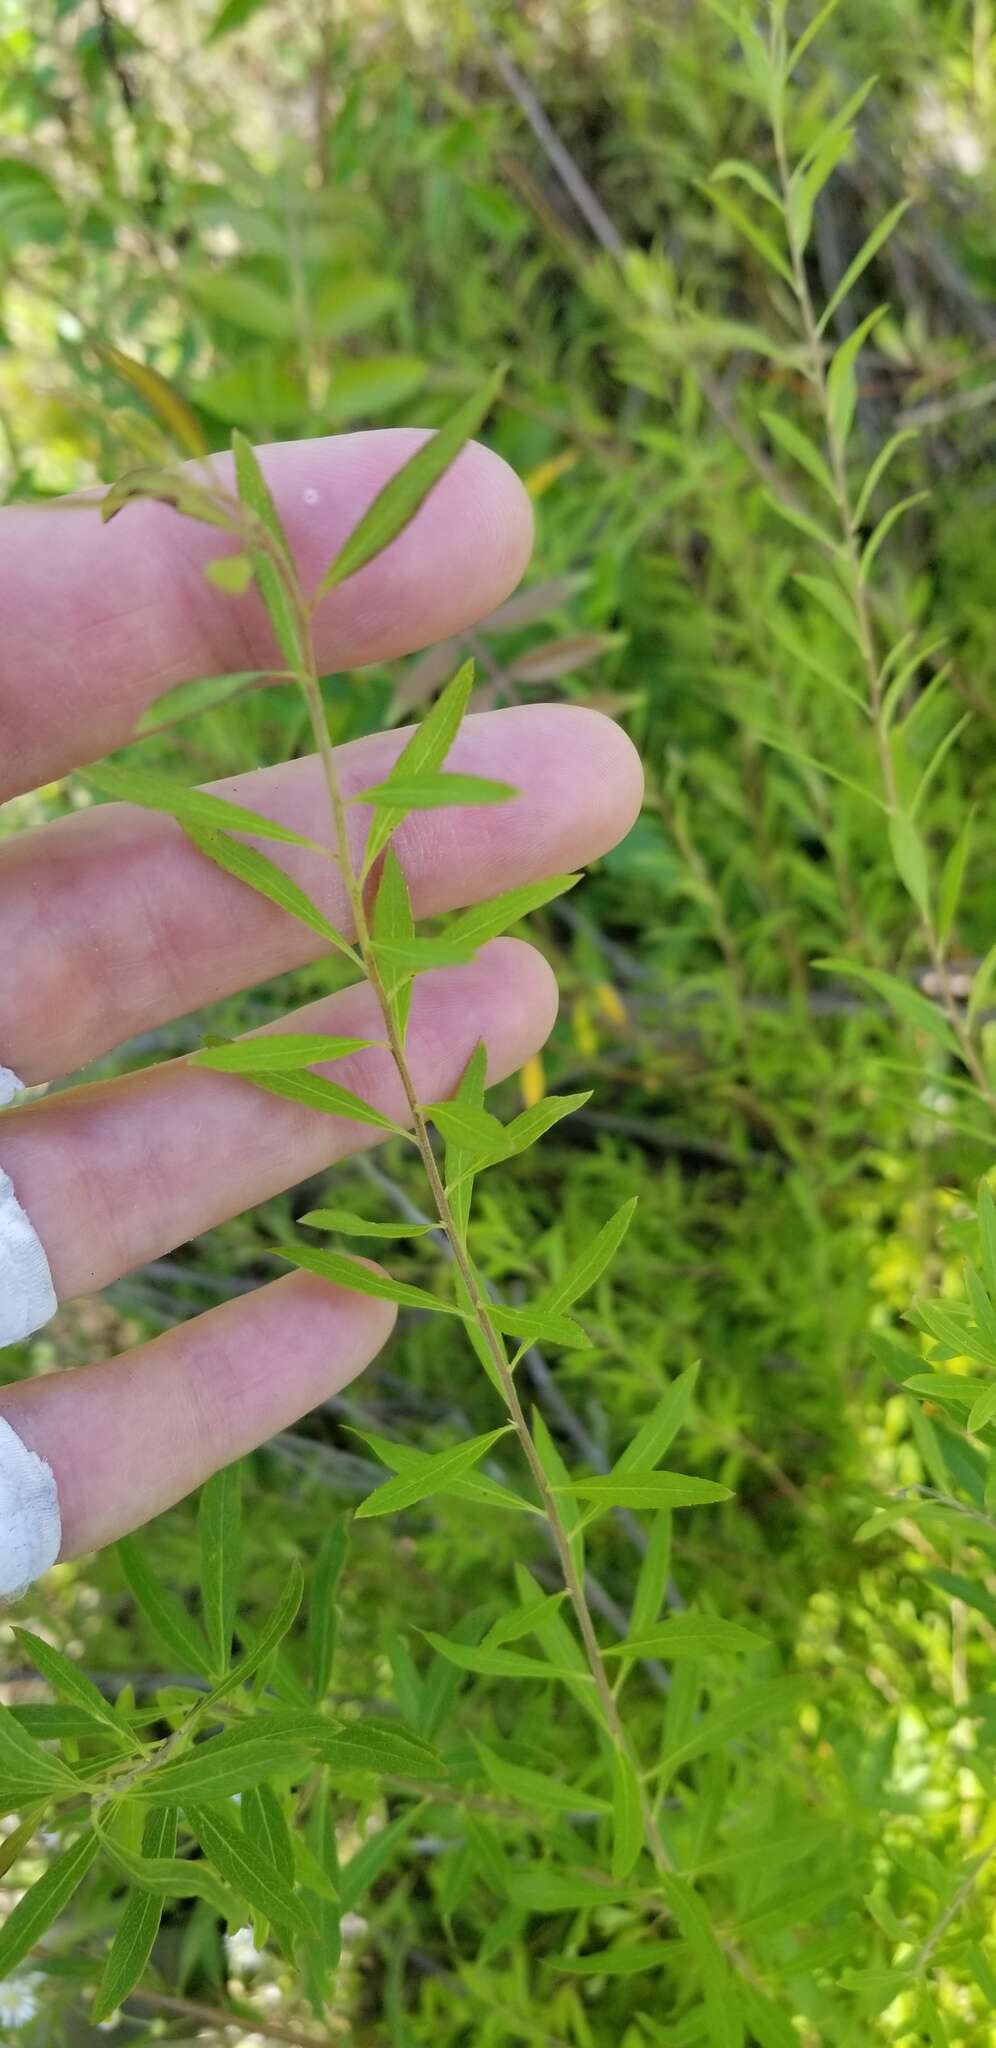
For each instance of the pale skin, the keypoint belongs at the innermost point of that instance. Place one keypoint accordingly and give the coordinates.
(112, 924)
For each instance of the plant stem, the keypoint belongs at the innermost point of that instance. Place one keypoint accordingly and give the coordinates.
(476, 1294)
(858, 594)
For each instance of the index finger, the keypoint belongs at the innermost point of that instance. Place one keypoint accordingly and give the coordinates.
(100, 620)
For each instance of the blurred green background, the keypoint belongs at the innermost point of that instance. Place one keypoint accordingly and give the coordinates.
(323, 216)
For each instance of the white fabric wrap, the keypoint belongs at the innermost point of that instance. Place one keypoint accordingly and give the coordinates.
(27, 1296)
(30, 1523)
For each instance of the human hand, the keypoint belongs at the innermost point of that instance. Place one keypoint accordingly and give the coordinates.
(112, 924)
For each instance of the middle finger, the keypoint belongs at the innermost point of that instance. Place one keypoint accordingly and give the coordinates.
(117, 924)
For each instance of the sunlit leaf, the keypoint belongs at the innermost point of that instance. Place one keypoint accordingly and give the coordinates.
(166, 1615)
(48, 1896)
(347, 1225)
(434, 792)
(430, 1477)
(648, 1490)
(907, 1002)
(245, 1865)
(189, 806)
(690, 1635)
(627, 1816)
(658, 1432)
(347, 1272)
(399, 500)
(138, 1925)
(313, 1091)
(169, 408)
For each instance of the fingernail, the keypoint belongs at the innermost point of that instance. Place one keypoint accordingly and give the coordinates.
(30, 1522)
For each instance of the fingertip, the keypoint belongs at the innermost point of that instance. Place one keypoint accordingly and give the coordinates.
(530, 1002)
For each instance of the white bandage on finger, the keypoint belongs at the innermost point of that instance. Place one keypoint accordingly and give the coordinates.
(9, 1086)
(27, 1296)
(30, 1523)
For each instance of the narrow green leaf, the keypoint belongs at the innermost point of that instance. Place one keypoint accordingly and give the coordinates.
(473, 1486)
(34, 1913)
(833, 602)
(187, 699)
(983, 983)
(590, 1264)
(939, 755)
(982, 1410)
(536, 1790)
(312, 1091)
(842, 376)
(26, 1770)
(434, 792)
(557, 1478)
(220, 1527)
(248, 1868)
(651, 1584)
(821, 536)
(475, 1130)
(370, 1746)
(538, 1326)
(347, 1225)
(195, 807)
(658, 1432)
(488, 920)
(797, 444)
(460, 1161)
(987, 1236)
(171, 1877)
(396, 505)
(952, 878)
(627, 1816)
(532, 1124)
(649, 1490)
(414, 955)
(165, 1614)
(248, 865)
(70, 1683)
(280, 1052)
(723, 2017)
(690, 1635)
(496, 1663)
(394, 925)
(323, 1608)
(754, 1710)
(910, 856)
(745, 173)
(431, 1478)
(225, 1764)
(812, 29)
(884, 528)
(423, 754)
(263, 1819)
(280, 1622)
(907, 1002)
(877, 470)
(524, 1621)
(271, 576)
(861, 261)
(347, 1272)
(138, 1926)
(758, 238)
(635, 1959)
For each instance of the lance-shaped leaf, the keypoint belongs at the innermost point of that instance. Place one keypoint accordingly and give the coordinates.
(272, 576)
(35, 1912)
(348, 1272)
(312, 1091)
(138, 1926)
(661, 1427)
(524, 1621)
(413, 955)
(225, 1764)
(269, 1639)
(167, 487)
(221, 1559)
(277, 1052)
(498, 1663)
(265, 1824)
(537, 1789)
(165, 1614)
(459, 1157)
(398, 502)
(172, 411)
(907, 1002)
(652, 1579)
(246, 1866)
(172, 1877)
(648, 1490)
(471, 1486)
(590, 1263)
(422, 755)
(347, 1225)
(434, 792)
(375, 1746)
(538, 1325)
(485, 921)
(248, 865)
(394, 926)
(70, 1683)
(861, 261)
(187, 699)
(323, 1606)
(431, 1477)
(195, 807)
(627, 1816)
(26, 1770)
(691, 1635)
